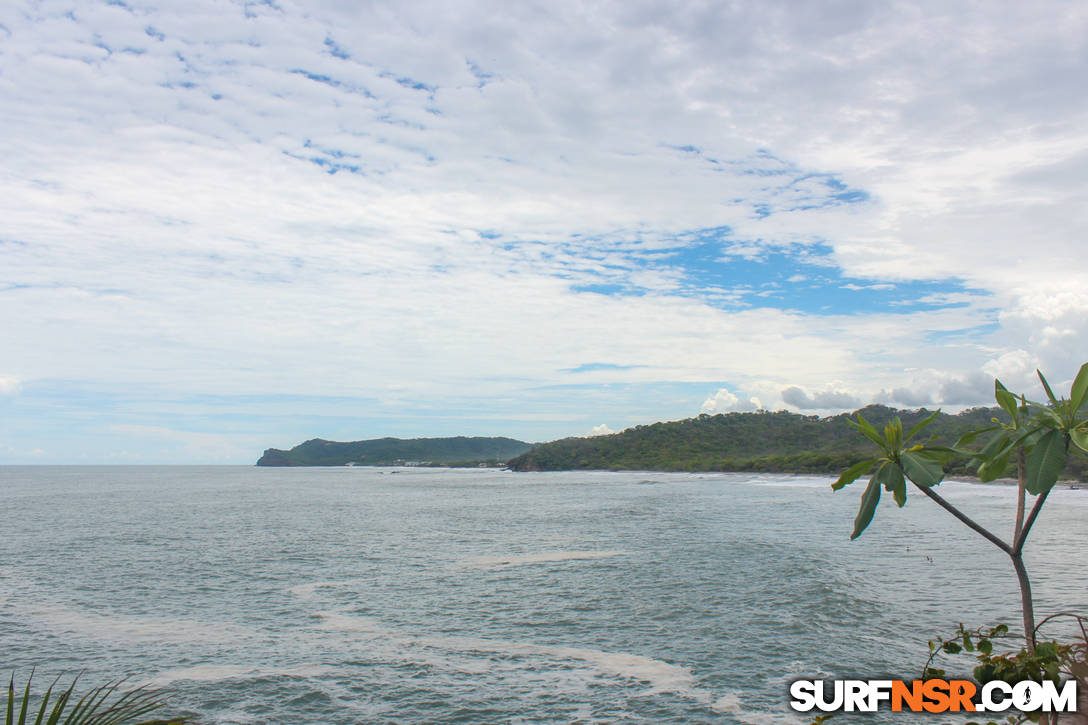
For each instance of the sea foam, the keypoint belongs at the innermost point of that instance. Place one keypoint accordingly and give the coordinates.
(213, 673)
(111, 626)
(542, 557)
(659, 676)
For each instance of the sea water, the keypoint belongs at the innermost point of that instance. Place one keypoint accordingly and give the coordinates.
(412, 595)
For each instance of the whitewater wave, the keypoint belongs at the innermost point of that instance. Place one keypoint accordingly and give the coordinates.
(542, 557)
(213, 673)
(111, 626)
(659, 676)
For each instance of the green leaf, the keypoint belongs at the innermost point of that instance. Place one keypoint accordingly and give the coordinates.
(852, 473)
(937, 452)
(894, 483)
(993, 446)
(985, 646)
(869, 500)
(1005, 399)
(1028, 437)
(922, 469)
(1045, 462)
(1046, 650)
(995, 467)
(1079, 394)
(1079, 436)
(60, 704)
(94, 708)
(26, 697)
(922, 424)
(1046, 387)
(1046, 416)
(869, 431)
(893, 433)
(969, 437)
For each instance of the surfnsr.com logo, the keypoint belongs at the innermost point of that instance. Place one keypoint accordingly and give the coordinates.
(932, 696)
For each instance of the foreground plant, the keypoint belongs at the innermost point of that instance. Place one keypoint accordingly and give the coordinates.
(104, 705)
(1051, 660)
(1038, 437)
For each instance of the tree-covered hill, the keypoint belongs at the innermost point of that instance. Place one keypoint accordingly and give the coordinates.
(394, 451)
(763, 441)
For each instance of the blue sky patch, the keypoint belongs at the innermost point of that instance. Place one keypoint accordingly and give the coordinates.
(482, 77)
(967, 334)
(709, 265)
(334, 83)
(411, 83)
(590, 367)
(335, 50)
(622, 290)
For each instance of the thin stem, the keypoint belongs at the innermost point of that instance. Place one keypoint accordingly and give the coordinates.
(1020, 492)
(1026, 606)
(968, 520)
(1080, 620)
(1018, 545)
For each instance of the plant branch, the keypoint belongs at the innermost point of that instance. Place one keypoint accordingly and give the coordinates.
(1021, 465)
(1078, 617)
(1027, 608)
(968, 521)
(1018, 545)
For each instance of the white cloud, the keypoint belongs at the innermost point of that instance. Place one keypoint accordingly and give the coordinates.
(824, 400)
(913, 397)
(1015, 369)
(1052, 326)
(172, 223)
(932, 387)
(973, 389)
(724, 401)
(600, 430)
(9, 385)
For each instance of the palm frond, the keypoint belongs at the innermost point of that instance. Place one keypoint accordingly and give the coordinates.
(102, 705)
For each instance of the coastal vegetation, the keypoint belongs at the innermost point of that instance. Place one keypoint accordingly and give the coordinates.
(764, 441)
(1032, 439)
(396, 451)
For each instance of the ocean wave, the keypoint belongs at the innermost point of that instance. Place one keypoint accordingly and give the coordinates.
(661, 677)
(308, 591)
(109, 625)
(732, 705)
(215, 673)
(542, 557)
(348, 623)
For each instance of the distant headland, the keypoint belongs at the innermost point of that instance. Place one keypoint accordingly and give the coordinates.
(458, 450)
(763, 441)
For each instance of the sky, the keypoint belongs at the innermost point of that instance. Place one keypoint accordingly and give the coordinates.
(228, 226)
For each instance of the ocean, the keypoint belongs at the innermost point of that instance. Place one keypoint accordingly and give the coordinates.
(412, 595)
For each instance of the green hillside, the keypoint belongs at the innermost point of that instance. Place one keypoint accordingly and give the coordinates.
(763, 441)
(395, 451)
